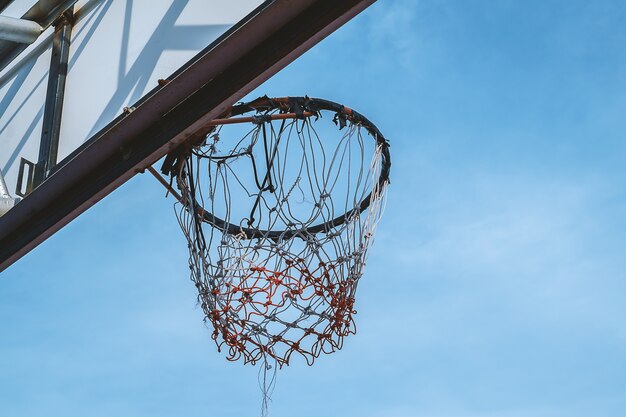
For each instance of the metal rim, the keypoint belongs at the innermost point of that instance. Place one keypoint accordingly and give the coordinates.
(299, 105)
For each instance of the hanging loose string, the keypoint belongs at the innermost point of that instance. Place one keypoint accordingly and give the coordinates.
(279, 213)
(267, 382)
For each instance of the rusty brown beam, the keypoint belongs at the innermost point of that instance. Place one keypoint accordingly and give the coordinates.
(253, 119)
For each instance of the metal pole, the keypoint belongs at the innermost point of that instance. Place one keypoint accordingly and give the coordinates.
(4, 191)
(6, 201)
(44, 13)
(49, 147)
(19, 30)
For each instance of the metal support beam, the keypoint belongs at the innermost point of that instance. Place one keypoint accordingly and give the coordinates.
(48, 149)
(179, 110)
(44, 13)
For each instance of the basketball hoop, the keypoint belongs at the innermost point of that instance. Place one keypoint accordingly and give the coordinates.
(279, 203)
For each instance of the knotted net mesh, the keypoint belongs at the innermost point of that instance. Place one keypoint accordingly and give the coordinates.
(279, 210)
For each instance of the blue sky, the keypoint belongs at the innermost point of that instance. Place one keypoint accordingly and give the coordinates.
(496, 285)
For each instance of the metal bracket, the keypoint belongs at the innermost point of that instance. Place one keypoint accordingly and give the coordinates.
(25, 187)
